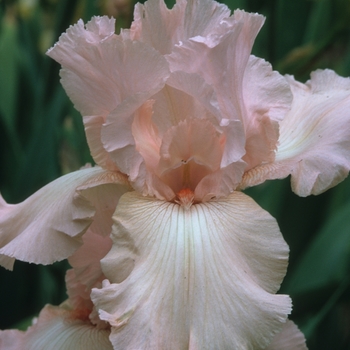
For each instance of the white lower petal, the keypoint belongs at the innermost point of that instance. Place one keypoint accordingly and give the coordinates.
(202, 278)
(57, 328)
(290, 338)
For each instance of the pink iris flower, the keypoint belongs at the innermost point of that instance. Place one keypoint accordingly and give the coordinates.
(166, 250)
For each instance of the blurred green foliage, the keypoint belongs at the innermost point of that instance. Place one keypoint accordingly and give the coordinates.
(41, 137)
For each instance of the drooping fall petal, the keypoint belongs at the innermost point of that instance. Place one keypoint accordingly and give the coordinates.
(202, 278)
(48, 225)
(57, 328)
(314, 137)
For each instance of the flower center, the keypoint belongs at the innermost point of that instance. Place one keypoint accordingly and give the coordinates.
(185, 198)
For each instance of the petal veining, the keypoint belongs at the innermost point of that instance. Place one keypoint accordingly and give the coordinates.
(197, 278)
(57, 328)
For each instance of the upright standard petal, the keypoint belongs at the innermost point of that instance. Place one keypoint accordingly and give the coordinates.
(314, 137)
(57, 328)
(221, 58)
(201, 278)
(267, 99)
(100, 71)
(162, 28)
(48, 226)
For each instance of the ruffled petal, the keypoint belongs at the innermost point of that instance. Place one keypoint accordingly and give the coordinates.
(202, 278)
(48, 226)
(86, 260)
(101, 70)
(88, 57)
(162, 28)
(228, 46)
(185, 96)
(103, 192)
(57, 328)
(290, 338)
(86, 273)
(314, 140)
(267, 98)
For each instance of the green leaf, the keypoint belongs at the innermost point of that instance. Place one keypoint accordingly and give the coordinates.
(9, 58)
(327, 259)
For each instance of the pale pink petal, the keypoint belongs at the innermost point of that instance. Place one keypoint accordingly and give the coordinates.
(195, 139)
(103, 192)
(11, 339)
(57, 328)
(207, 59)
(162, 28)
(79, 296)
(185, 96)
(86, 260)
(118, 139)
(93, 126)
(220, 183)
(100, 71)
(146, 135)
(196, 278)
(290, 338)
(88, 59)
(190, 151)
(199, 100)
(314, 137)
(267, 98)
(86, 273)
(48, 226)
(221, 59)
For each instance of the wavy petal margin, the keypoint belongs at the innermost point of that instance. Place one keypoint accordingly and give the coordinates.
(48, 226)
(290, 338)
(56, 328)
(163, 28)
(314, 140)
(267, 99)
(202, 278)
(100, 70)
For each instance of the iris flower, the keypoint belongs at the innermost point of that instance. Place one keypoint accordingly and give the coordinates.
(166, 250)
